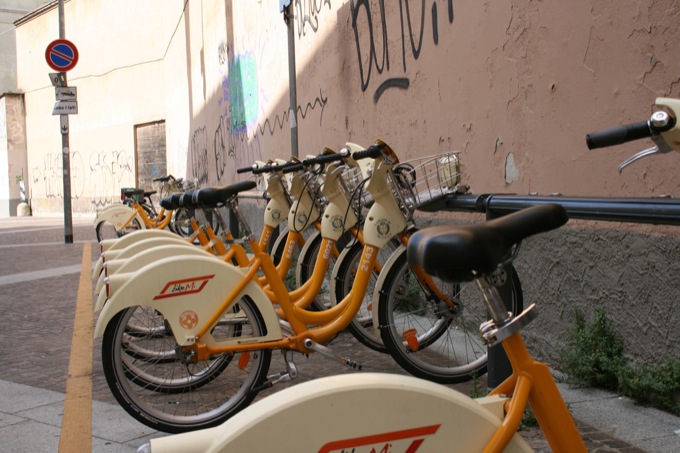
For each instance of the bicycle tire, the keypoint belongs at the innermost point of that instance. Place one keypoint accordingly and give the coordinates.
(408, 316)
(106, 230)
(181, 222)
(222, 392)
(361, 327)
(305, 267)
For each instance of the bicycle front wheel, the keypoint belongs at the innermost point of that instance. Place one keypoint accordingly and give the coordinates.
(175, 394)
(424, 335)
(361, 327)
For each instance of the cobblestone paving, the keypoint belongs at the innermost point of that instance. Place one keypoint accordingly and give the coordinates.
(37, 326)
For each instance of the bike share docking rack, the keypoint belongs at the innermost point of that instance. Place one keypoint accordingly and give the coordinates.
(660, 210)
(655, 210)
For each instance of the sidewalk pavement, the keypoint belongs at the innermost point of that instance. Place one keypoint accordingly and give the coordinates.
(38, 286)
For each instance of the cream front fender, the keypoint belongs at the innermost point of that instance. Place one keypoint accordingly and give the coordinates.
(188, 291)
(118, 215)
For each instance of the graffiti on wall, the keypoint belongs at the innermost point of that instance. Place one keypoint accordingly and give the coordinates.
(100, 178)
(307, 15)
(215, 152)
(373, 39)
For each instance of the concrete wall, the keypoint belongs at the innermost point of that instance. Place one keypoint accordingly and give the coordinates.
(514, 86)
(13, 162)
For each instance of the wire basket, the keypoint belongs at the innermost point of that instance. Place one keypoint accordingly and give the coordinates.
(424, 180)
(355, 179)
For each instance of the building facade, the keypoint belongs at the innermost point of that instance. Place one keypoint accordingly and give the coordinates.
(514, 86)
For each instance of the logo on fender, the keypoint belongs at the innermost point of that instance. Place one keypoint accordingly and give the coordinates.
(407, 441)
(184, 287)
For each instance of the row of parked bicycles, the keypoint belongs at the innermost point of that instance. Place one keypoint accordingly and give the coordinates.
(189, 323)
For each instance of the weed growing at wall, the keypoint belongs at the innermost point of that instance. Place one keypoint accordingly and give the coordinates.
(593, 357)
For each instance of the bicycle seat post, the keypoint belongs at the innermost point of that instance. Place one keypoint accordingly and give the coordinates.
(494, 302)
(241, 222)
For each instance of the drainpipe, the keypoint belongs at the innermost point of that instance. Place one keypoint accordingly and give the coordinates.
(288, 18)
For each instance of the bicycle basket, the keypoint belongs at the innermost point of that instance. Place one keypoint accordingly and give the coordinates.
(132, 192)
(355, 184)
(423, 180)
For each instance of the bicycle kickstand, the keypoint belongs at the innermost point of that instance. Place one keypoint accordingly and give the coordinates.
(290, 373)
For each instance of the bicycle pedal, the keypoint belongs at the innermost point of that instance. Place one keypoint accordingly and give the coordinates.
(328, 352)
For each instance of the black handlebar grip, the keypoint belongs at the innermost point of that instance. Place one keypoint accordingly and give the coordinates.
(263, 169)
(324, 158)
(293, 167)
(245, 169)
(372, 152)
(618, 135)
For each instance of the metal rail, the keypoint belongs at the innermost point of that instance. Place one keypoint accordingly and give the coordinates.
(657, 211)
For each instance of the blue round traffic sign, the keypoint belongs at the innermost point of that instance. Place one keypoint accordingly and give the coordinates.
(61, 55)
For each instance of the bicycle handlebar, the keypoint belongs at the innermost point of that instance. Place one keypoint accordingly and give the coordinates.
(373, 152)
(291, 168)
(618, 135)
(164, 178)
(246, 169)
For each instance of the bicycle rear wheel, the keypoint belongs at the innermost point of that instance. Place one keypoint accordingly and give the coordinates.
(428, 338)
(180, 395)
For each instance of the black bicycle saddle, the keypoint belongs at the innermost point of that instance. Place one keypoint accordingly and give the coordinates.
(453, 252)
(212, 197)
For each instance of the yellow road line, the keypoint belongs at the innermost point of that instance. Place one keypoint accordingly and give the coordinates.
(76, 423)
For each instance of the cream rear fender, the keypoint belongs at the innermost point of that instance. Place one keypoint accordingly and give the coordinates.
(137, 247)
(103, 209)
(379, 283)
(384, 219)
(398, 413)
(189, 287)
(139, 235)
(141, 259)
(118, 215)
(122, 242)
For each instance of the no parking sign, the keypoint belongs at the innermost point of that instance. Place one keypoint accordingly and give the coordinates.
(61, 55)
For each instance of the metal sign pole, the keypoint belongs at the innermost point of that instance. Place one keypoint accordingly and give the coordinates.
(65, 152)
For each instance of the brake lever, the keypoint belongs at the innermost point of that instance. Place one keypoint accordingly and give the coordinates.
(659, 120)
(661, 147)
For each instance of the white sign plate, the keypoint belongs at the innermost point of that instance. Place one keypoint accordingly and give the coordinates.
(65, 108)
(66, 93)
(63, 124)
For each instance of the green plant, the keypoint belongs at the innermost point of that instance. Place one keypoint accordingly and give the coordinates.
(593, 353)
(477, 390)
(653, 384)
(593, 357)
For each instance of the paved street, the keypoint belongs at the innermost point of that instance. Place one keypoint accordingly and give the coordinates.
(39, 287)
